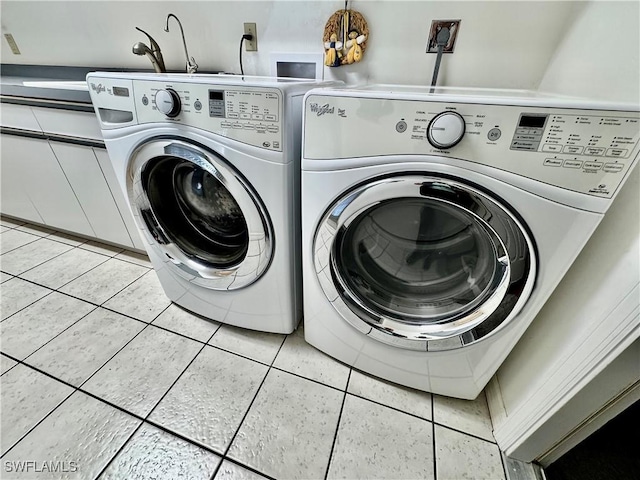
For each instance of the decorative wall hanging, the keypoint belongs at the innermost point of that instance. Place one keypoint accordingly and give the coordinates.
(345, 38)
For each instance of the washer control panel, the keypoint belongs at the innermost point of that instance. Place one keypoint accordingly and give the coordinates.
(587, 151)
(248, 114)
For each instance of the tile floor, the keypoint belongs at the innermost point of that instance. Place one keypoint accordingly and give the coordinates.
(103, 378)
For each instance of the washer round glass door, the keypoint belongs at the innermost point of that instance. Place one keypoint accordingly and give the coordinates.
(423, 262)
(200, 213)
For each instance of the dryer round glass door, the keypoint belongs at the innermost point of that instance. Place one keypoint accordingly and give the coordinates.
(200, 213)
(424, 262)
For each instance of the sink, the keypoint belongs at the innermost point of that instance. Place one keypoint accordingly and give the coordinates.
(63, 85)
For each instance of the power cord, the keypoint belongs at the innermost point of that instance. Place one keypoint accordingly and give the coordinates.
(442, 38)
(249, 37)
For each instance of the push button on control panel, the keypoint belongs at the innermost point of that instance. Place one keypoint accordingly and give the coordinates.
(572, 164)
(401, 126)
(593, 165)
(553, 162)
(574, 150)
(612, 167)
(494, 134)
(547, 147)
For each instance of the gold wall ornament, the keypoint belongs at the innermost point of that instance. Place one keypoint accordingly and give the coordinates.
(345, 38)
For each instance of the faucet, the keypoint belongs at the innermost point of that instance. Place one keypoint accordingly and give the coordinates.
(154, 53)
(192, 66)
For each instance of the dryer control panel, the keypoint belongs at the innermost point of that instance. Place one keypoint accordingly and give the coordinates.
(587, 151)
(248, 114)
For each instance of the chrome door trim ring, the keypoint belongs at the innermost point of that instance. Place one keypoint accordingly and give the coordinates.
(463, 331)
(260, 232)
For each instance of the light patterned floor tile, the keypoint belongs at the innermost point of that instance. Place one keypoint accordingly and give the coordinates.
(459, 456)
(18, 294)
(376, 442)
(154, 454)
(81, 350)
(82, 430)
(27, 397)
(64, 268)
(141, 373)
(28, 330)
(470, 416)
(28, 256)
(12, 239)
(289, 430)
(4, 277)
(210, 399)
(396, 396)
(103, 282)
(297, 356)
(144, 299)
(258, 346)
(186, 323)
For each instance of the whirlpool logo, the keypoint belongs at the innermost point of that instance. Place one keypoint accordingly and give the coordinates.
(320, 110)
(97, 88)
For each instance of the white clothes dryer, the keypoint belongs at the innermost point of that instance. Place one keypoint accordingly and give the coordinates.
(210, 167)
(436, 225)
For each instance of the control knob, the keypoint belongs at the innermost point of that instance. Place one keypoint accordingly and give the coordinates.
(168, 102)
(445, 130)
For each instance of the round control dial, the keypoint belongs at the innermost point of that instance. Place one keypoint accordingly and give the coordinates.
(445, 130)
(168, 102)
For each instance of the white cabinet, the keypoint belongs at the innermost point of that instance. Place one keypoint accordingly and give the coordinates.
(50, 177)
(35, 169)
(13, 197)
(71, 123)
(83, 172)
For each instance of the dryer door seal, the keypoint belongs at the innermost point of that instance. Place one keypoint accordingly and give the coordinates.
(200, 213)
(424, 262)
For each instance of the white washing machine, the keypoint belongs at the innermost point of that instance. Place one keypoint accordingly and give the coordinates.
(436, 225)
(210, 167)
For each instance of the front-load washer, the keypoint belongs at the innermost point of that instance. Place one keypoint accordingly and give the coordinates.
(210, 165)
(436, 225)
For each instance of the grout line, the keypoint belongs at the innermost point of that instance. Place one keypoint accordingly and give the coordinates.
(335, 436)
(174, 382)
(124, 444)
(27, 306)
(247, 467)
(23, 245)
(433, 437)
(226, 453)
(45, 261)
(145, 419)
(41, 420)
(56, 336)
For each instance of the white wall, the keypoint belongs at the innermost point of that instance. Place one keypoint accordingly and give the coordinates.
(600, 55)
(500, 44)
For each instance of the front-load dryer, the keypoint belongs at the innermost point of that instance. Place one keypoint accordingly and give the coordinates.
(210, 167)
(436, 225)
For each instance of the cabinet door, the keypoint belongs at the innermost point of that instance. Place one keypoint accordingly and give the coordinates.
(14, 199)
(119, 196)
(80, 165)
(37, 171)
